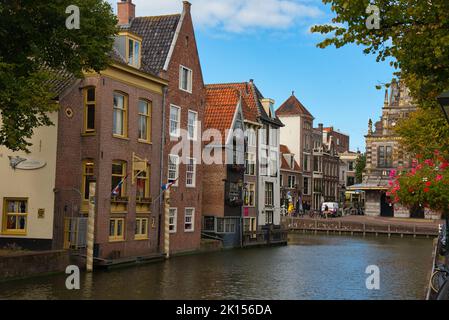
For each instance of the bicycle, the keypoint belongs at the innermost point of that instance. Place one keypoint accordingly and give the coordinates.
(439, 278)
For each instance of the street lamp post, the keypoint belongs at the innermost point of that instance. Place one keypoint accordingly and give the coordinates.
(443, 100)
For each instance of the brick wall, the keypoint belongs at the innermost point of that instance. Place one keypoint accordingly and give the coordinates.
(185, 54)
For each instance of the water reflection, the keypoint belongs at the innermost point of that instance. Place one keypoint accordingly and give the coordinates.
(314, 267)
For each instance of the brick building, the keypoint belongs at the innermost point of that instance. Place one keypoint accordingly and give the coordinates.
(110, 130)
(341, 140)
(291, 179)
(223, 189)
(170, 51)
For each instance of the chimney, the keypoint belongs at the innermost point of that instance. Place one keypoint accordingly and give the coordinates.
(321, 127)
(268, 106)
(126, 12)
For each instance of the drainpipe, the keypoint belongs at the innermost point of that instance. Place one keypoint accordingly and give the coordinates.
(164, 99)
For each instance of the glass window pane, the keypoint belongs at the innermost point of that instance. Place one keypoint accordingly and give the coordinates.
(91, 95)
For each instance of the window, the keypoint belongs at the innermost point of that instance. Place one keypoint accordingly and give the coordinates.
(191, 172)
(269, 187)
(134, 52)
(143, 183)
(189, 221)
(173, 220)
(192, 125)
(264, 162)
(306, 186)
(88, 173)
(250, 164)
(89, 110)
(252, 140)
(351, 166)
(385, 157)
(118, 178)
(291, 182)
(306, 163)
(229, 225)
(274, 164)
(15, 213)
(175, 118)
(226, 225)
(185, 79)
(120, 125)
(273, 137)
(250, 195)
(141, 228)
(145, 109)
(269, 217)
(117, 229)
(249, 225)
(173, 169)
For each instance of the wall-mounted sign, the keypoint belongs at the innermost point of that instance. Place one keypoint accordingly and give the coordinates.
(41, 213)
(19, 163)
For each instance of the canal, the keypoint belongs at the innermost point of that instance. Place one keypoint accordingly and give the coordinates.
(312, 267)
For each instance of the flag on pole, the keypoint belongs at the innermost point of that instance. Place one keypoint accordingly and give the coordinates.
(116, 190)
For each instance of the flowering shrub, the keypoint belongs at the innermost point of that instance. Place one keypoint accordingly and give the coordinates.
(426, 184)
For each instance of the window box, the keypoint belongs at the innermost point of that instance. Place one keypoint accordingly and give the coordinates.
(119, 199)
(144, 201)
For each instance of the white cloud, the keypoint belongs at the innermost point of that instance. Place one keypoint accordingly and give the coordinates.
(236, 16)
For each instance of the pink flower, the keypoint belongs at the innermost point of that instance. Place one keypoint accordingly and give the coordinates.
(439, 178)
(392, 173)
(429, 162)
(437, 152)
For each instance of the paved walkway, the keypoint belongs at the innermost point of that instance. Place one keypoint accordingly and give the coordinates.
(383, 220)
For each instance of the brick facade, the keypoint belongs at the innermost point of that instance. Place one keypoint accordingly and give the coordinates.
(185, 54)
(102, 148)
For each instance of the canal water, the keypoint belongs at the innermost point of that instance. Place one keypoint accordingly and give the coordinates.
(312, 267)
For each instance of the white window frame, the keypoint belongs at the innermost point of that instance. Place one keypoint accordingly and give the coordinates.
(175, 220)
(189, 78)
(250, 162)
(291, 182)
(178, 122)
(192, 222)
(177, 168)
(195, 126)
(193, 184)
(252, 137)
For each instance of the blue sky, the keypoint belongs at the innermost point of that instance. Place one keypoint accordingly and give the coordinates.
(269, 41)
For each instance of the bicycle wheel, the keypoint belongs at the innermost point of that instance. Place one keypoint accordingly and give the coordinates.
(437, 280)
(444, 292)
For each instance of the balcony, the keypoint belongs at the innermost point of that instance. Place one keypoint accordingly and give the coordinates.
(318, 151)
(318, 175)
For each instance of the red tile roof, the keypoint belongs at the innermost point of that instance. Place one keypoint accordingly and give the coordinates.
(293, 107)
(250, 110)
(284, 164)
(221, 105)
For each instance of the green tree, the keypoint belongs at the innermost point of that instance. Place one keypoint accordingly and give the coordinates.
(360, 166)
(414, 37)
(34, 43)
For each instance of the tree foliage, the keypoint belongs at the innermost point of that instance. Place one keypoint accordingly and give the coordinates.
(360, 166)
(34, 40)
(414, 37)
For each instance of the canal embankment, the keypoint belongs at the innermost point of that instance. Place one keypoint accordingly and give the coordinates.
(21, 265)
(362, 225)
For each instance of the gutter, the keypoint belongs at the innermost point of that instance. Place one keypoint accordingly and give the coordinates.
(161, 200)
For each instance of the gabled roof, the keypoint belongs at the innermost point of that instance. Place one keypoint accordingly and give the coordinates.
(158, 34)
(254, 110)
(284, 164)
(293, 107)
(221, 105)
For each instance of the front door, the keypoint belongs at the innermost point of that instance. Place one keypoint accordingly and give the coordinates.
(386, 206)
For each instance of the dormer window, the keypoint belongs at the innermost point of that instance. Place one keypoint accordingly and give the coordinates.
(130, 47)
(134, 52)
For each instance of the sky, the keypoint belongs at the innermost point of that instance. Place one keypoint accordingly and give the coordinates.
(270, 41)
